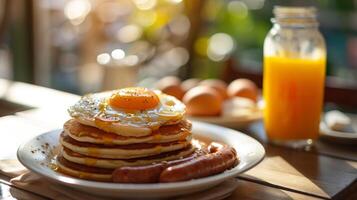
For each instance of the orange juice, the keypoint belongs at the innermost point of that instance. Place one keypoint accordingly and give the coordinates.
(293, 94)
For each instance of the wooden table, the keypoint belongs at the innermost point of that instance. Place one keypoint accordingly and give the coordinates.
(329, 171)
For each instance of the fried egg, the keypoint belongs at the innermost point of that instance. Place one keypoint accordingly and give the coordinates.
(132, 111)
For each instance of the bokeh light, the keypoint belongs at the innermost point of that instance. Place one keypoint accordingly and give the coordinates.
(118, 54)
(177, 57)
(103, 58)
(220, 45)
(254, 4)
(180, 25)
(129, 33)
(130, 60)
(238, 8)
(175, 1)
(145, 4)
(77, 10)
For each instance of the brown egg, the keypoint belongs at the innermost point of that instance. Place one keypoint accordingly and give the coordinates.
(203, 101)
(243, 88)
(219, 85)
(171, 85)
(189, 84)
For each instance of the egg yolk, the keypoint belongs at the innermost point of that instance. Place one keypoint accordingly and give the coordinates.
(135, 98)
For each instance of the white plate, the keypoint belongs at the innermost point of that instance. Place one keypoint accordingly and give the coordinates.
(349, 137)
(250, 153)
(231, 122)
(338, 136)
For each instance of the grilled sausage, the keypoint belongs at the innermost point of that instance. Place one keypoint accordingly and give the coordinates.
(145, 174)
(219, 160)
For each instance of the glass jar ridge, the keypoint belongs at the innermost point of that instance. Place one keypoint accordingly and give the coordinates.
(295, 34)
(295, 17)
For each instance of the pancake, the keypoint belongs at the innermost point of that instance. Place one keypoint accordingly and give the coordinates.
(120, 129)
(115, 163)
(91, 134)
(82, 171)
(121, 151)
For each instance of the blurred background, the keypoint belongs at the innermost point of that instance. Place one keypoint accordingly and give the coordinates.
(82, 46)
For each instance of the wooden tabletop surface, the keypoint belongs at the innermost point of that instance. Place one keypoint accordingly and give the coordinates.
(328, 171)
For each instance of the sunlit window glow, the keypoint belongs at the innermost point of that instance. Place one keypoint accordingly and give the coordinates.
(103, 58)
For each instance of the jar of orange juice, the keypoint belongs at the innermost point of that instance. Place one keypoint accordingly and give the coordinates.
(294, 76)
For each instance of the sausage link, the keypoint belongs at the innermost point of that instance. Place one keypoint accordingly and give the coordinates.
(139, 174)
(219, 160)
(144, 174)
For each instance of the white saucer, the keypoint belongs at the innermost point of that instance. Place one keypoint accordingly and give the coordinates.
(37, 157)
(338, 136)
(230, 121)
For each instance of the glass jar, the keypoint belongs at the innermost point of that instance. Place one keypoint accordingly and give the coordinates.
(294, 76)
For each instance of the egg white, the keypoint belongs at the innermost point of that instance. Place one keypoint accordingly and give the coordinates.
(137, 123)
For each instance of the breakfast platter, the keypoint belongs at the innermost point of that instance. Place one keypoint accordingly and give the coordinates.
(137, 139)
(249, 151)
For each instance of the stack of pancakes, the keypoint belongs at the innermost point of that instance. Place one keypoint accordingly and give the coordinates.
(91, 151)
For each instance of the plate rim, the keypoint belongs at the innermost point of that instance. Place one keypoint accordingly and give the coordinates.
(64, 179)
(224, 120)
(327, 132)
(227, 118)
